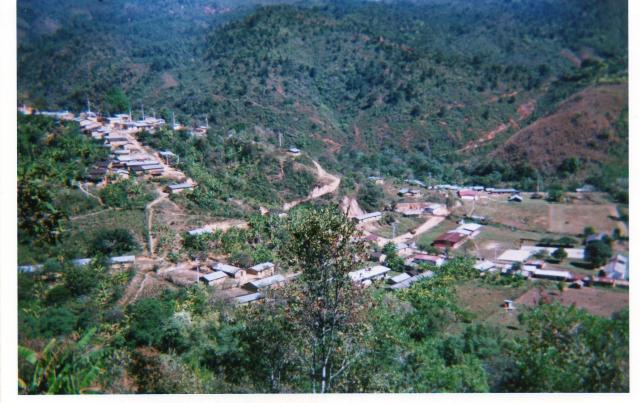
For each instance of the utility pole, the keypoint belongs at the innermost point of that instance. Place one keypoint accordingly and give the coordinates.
(173, 120)
(130, 115)
(280, 139)
(394, 227)
(88, 106)
(142, 109)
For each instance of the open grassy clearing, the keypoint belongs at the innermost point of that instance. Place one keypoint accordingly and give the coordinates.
(528, 215)
(573, 218)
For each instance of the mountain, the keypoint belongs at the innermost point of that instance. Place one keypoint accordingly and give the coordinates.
(393, 88)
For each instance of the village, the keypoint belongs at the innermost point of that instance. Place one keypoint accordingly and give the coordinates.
(507, 232)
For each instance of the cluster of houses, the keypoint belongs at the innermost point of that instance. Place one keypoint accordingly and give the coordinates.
(521, 262)
(255, 279)
(365, 277)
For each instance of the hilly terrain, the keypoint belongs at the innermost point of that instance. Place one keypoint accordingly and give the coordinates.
(394, 88)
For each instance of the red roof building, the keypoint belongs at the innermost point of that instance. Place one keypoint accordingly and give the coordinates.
(449, 240)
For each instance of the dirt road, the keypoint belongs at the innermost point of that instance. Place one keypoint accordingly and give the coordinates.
(318, 191)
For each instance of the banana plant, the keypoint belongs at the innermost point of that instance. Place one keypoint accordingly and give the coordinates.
(61, 367)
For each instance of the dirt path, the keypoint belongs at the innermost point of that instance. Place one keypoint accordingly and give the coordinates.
(94, 213)
(86, 192)
(424, 227)
(148, 210)
(318, 191)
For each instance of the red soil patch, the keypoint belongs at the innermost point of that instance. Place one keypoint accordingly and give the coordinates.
(168, 81)
(575, 129)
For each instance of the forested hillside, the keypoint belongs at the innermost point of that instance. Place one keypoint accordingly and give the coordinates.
(362, 83)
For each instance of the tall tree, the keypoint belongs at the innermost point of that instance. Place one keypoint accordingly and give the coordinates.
(324, 305)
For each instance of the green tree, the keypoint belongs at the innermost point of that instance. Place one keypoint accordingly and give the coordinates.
(370, 196)
(597, 253)
(569, 350)
(325, 307)
(111, 242)
(559, 254)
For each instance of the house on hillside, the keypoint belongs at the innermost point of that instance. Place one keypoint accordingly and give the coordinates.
(424, 258)
(231, 271)
(265, 283)
(586, 189)
(501, 190)
(404, 249)
(467, 194)
(265, 269)
(367, 275)
(247, 299)
(378, 180)
(451, 240)
(406, 192)
(617, 268)
(369, 217)
(407, 283)
(399, 278)
(179, 187)
(215, 278)
(484, 265)
(294, 151)
(469, 229)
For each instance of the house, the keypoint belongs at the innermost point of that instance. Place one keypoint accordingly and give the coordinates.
(231, 271)
(477, 188)
(179, 187)
(153, 169)
(378, 180)
(200, 231)
(469, 229)
(467, 194)
(246, 299)
(403, 249)
(31, 268)
(369, 217)
(617, 268)
(294, 151)
(559, 275)
(586, 189)
(423, 258)
(450, 240)
(124, 261)
(215, 278)
(168, 156)
(484, 265)
(262, 270)
(367, 275)
(515, 198)
(399, 278)
(537, 196)
(515, 255)
(501, 191)
(405, 192)
(415, 182)
(407, 283)
(437, 209)
(265, 283)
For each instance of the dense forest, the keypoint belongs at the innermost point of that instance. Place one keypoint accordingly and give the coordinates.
(395, 88)
(77, 337)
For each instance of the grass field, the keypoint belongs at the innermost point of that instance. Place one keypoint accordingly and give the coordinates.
(528, 215)
(573, 218)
